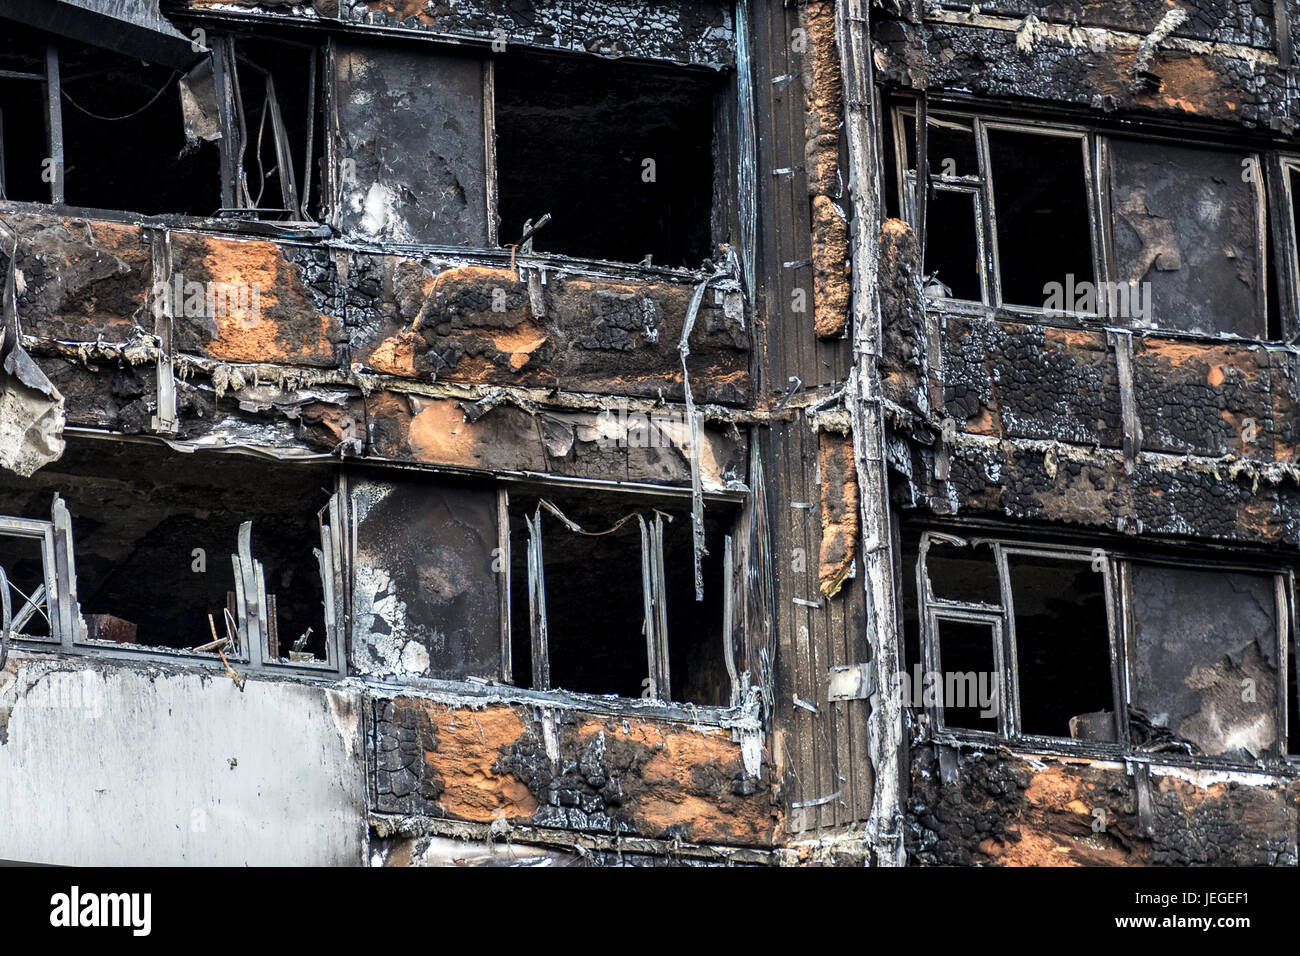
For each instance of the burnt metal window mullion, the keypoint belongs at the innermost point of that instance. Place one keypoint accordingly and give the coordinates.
(1097, 208)
(1128, 638)
(313, 76)
(1261, 236)
(1104, 222)
(649, 619)
(1291, 639)
(1287, 243)
(899, 142)
(990, 276)
(537, 602)
(662, 661)
(490, 153)
(504, 584)
(54, 122)
(1116, 618)
(1009, 712)
(923, 185)
(1281, 591)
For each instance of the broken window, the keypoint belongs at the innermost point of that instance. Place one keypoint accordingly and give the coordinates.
(175, 553)
(1022, 190)
(620, 156)
(1039, 207)
(1062, 645)
(966, 656)
(97, 129)
(23, 116)
(1097, 648)
(953, 248)
(29, 567)
(603, 598)
(270, 137)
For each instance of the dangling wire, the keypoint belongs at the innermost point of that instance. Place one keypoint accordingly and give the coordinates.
(115, 119)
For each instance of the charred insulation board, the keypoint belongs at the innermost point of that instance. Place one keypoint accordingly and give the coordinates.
(1188, 222)
(410, 161)
(425, 599)
(1203, 661)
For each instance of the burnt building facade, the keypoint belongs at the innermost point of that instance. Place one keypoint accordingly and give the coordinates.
(742, 433)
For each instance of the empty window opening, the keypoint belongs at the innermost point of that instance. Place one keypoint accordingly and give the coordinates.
(965, 573)
(967, 676)
(596, 600)
(1204, 661)
(1062, 647)
(952, 250)
(594, 604)
(154, 532)
(620, 156)
(124, 140)
(695, 636)
(1040, 199)
(23, 115)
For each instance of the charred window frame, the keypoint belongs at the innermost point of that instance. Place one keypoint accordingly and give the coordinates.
(50, 596)
(1284, 209)
(665, 671)
(944, 606)
(1268, 181)
(974, 173)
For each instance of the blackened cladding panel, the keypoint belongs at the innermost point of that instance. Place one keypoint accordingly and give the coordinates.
(411, 162)
(1186, 223)
(1203, 659)
(425, 600)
